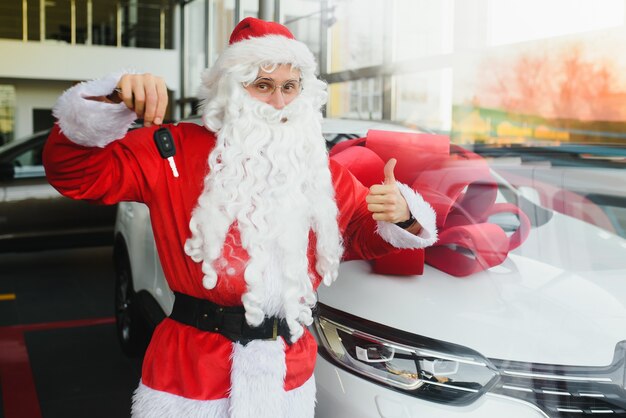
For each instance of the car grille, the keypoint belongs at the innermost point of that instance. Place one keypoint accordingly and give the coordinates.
(563, 391)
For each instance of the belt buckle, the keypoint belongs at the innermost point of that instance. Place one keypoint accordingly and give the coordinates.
(274, 330)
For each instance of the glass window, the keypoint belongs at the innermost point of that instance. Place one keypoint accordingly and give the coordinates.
(146, 24)
(222, 23)
(342, 100)
(143, 23)
(424, 100)
(34, 30)
(7, 113)
(357, 36)
(29, 158)
(104, 29)
(302, 17)
(195, 45)
(81, 21)
(11, 20)
(423, 28)
(249, 8)
(58, 18)
(544, 104)
(536, 19)
(549, 96)
(29, 163)
(359, 99)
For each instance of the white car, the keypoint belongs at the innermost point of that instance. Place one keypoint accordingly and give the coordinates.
(541, 335)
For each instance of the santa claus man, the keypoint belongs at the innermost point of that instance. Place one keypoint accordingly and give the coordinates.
(249, 217)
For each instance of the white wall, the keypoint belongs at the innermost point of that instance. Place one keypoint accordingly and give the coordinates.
(31, 95)
(52, 60)
(40, 71)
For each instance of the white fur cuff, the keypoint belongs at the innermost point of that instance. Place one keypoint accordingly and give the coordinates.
(91, 123)
(151, 403)
(422, 212)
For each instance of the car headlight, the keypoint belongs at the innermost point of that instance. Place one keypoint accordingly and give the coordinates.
(567, 391)
(422, 367)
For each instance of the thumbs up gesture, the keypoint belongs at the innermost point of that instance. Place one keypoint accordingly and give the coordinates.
(385, 200)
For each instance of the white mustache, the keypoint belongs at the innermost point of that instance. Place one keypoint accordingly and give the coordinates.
(273, 116)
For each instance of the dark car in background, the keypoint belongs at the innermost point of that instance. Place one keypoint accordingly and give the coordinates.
(33, 215)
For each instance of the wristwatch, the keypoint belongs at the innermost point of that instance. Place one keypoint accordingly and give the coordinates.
(407, 223)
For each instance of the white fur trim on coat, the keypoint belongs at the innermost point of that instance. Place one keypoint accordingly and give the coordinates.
(91, 123)
(257, 382)
(150, 403)
(300, 402)
(422, 212)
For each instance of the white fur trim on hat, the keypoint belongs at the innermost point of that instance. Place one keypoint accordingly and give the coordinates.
(255, 52)
(275, 49)
(422, 212)
(91, 123)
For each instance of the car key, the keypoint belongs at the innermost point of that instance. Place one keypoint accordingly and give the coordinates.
(165, 144)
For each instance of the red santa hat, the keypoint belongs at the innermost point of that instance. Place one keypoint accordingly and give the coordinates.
(251, 27)
(255, 42)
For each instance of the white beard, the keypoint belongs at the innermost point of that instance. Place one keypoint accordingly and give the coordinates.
(269, 173)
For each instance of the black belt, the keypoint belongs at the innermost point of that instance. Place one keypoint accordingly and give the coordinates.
(230, 321)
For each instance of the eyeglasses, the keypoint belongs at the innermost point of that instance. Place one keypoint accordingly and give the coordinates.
(265, 87)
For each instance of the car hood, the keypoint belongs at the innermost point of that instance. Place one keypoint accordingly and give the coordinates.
(558, 299)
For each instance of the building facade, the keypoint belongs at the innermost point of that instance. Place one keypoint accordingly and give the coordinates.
(424, 64)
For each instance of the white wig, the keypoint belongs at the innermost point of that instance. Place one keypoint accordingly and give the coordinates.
(259, 163)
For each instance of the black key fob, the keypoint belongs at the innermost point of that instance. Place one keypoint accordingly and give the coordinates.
(164, 142)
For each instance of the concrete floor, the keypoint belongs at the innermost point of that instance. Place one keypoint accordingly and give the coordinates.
(59, 354)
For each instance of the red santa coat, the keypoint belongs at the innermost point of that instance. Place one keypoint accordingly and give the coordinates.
(180, 358)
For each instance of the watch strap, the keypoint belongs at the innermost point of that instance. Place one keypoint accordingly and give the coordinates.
(407, 223)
